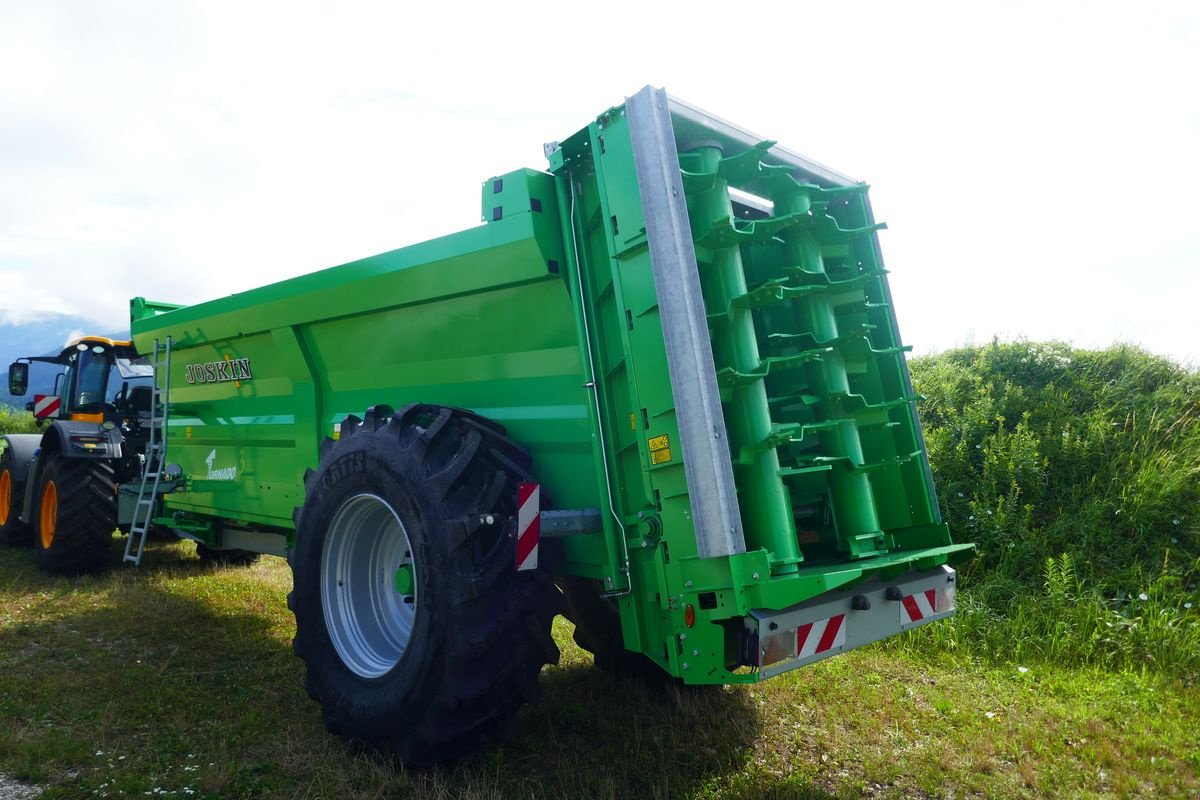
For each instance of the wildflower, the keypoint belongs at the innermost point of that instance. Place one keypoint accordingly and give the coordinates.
(960, 494)
(1187, 605)
(1174, 522)
(1143, 597)
(990, 714)
(1022, 670)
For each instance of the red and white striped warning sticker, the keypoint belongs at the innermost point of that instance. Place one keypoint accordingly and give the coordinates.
(817, 637)
(916, 607)
(529, 499)
(46, 405)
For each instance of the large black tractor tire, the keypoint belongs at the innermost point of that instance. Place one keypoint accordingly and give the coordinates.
(12, 530)
(419, 636)
(75, 514)
(598, 630)
(226, 558)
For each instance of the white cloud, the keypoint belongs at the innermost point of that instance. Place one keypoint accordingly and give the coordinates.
(1036, 163)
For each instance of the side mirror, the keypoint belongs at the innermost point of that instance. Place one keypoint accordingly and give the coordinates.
(18, 379)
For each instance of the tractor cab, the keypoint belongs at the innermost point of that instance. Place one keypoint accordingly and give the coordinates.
(101, 380)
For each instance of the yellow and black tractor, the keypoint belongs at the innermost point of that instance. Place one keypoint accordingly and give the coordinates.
(58, 488)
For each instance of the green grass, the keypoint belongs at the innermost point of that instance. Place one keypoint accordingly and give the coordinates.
(1070, 670)
(176, 676)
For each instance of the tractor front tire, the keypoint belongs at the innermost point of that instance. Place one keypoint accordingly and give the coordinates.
(12, 530)
(419, 636)
(75, 515)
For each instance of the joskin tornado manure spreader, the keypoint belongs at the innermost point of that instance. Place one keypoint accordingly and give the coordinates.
(660, 390)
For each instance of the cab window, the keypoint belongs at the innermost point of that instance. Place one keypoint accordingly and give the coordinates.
(90, 368)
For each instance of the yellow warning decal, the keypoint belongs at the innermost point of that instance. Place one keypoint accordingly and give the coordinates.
(660, 449)
(632, 422)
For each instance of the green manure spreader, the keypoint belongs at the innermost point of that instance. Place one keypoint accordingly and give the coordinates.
(660, 390)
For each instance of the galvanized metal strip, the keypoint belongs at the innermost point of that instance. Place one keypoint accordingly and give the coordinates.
(707, 461)
(571, 522)
(878, 614)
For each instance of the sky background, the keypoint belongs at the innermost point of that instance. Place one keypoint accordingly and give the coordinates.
(1037, 163)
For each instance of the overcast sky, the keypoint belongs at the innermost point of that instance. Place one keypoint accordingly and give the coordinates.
(1037, 163)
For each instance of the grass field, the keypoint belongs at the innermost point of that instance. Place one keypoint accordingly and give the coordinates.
(177, 679)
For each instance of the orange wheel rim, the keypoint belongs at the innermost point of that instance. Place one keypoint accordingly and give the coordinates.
(49, 514)
(5, 496)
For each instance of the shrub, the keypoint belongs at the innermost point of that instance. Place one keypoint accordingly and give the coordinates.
(1040, 449)
(14, 421)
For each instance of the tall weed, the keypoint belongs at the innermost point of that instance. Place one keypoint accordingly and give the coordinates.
(1154, 625)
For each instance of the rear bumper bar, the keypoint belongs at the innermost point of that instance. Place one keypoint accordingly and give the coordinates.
(778, 641)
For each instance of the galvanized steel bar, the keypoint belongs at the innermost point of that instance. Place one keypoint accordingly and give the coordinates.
(706, 455)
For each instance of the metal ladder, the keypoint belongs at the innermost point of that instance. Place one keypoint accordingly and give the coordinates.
(156, 451)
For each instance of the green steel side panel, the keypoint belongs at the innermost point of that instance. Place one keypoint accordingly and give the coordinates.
(478, 320)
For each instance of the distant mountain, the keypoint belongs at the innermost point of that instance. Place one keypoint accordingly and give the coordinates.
(44, 336)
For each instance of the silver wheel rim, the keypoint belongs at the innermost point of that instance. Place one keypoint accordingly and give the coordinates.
(369, 622)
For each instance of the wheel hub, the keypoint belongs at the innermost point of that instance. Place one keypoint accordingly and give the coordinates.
(368, 614)
(48, 518)
(5, 496)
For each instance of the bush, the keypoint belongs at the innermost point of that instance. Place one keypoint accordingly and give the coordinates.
(14, 421)
(1077, 474)
(1040, 449)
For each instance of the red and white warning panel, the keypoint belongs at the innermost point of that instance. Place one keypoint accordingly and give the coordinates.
(916, 607)
(46, 405)
(529, 524)
(871, 611)
(821, 636)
